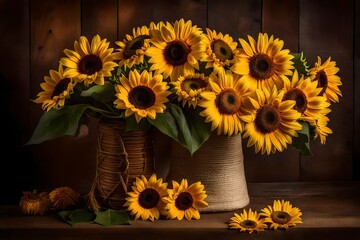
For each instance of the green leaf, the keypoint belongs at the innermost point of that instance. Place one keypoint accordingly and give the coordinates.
(302, 142)
(200, 131)
(111, 217)
(58, 122)
(189, 130)
(104, 93)
(166, 123)
(300, 63)
(76, 216)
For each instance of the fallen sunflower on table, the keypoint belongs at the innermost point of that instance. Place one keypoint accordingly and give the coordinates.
(146, 199)
(281, 215)
(247, 221)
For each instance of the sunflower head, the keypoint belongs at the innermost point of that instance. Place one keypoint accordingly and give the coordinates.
(133, 47)
(63, 198)
(184, 200)
(273, 122)
(142, 94)
(90, 62)
(33, 203)
(221, 51)
(223, 104)
(176, 49)
(281, 215)
(56, 89)
(305, 93)
(325, 75)
(146, 199)
(264, 62)
(247, 221)
(189, 88)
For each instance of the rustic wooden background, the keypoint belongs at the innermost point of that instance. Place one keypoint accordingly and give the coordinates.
(35, 32)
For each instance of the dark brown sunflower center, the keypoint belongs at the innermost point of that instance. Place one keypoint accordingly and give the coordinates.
(184, 201)
(133, 45)
(322, 79)
(248, 224)
(90, 64)
(221, 50)
(60, 87)
(267, 119)
(192, 84)
(142, 97)
(299, 97)
(261, 66)
(228, 102)
(149, 198)
(176, 52)
(280, 217)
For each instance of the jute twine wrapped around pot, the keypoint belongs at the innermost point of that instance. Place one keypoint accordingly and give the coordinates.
(121, 157)
(219, 165)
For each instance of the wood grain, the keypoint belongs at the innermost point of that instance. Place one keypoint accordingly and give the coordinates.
(322, 34)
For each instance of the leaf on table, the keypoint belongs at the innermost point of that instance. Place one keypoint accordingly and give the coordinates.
(111, 217)
(76, 216)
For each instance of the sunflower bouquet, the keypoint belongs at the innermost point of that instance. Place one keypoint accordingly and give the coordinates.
(188, 83)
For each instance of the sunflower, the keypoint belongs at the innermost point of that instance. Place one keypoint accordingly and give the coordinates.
(57, 89)
(189, 88)
(305, 93)
(143, 94)
(221, 51)
(64, 197)
(145, 200)
(33, 203)
(319, 125)
(264, 62)
(90, 63)
(223, 104)
(321, 128)
(273, 122)
(281, 215)
(247, 221)
(325, 77)
(184, 201)
(133, 47)
(176, 49)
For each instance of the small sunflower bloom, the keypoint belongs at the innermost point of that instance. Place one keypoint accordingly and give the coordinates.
(264, 62)
(305, 93)
(221, 52)
(133, 48)
(184, 200)
(32, 203)
(320, 126)
(247, 221)
(281, 215)
(189, 88)
(223, 105)
(142, 94)
(146, 199)
(90, 62)
(63, 198)
(176, 49)
(325, 75)
(56, 89)
(273, 122)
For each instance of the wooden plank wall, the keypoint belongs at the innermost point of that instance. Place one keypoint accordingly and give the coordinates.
(35, 32)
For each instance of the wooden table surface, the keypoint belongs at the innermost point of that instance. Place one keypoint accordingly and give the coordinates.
(331, 210)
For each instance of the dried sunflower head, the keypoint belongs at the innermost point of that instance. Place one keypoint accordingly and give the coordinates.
(64, 197)
(33, 203)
